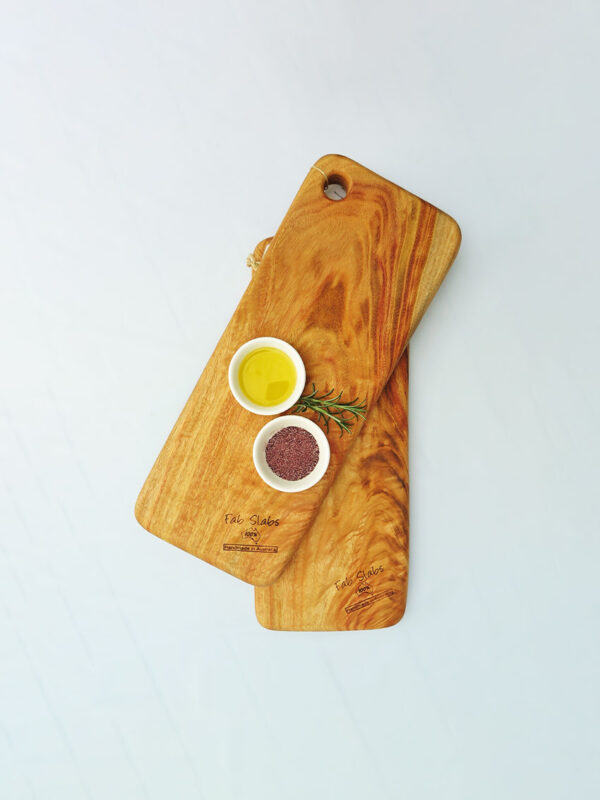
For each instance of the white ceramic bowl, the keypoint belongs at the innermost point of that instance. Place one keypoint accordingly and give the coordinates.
(234, 379)
(260, 459)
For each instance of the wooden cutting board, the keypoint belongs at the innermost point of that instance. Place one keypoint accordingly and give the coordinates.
(345, 282)
(350, 571)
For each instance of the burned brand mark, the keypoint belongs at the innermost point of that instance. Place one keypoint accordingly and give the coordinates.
(249, 533)
(360, 578)
(253, 519)
(361, 583)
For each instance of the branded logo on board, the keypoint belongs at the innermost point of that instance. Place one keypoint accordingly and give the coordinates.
(249, 535)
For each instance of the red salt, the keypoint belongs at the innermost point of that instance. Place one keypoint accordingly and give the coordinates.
(292, 453)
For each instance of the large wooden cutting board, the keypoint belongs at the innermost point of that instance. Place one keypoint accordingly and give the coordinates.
(345, 282)
(350, 571)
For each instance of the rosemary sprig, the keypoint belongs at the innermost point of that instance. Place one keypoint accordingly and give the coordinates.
(328, 408)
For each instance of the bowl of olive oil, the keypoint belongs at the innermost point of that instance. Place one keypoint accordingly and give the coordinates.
(266, 375)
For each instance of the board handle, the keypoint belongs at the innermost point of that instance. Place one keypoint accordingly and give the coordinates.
(256, 256)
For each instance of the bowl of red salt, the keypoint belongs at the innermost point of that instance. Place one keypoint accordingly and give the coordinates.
(291, 453)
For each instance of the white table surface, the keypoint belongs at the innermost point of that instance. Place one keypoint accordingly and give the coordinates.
(144, 149)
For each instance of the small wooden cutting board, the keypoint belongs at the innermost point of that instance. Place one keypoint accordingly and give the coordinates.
(344, 282)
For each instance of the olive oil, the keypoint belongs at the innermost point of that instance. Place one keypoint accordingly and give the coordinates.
(267, 376)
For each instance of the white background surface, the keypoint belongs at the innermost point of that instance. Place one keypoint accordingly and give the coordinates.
(144, 149)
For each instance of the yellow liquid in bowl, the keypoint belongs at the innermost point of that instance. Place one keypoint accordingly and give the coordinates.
(267, 376)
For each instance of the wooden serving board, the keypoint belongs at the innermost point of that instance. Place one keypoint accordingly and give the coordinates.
(345, 282)
(350, 571)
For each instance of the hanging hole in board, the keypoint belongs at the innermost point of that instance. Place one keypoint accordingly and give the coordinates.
(335, 188)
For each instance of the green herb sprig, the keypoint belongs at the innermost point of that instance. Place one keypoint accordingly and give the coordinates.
(331, 409)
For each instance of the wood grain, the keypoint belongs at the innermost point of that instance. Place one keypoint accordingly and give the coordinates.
(345, 283)
(350, 571)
